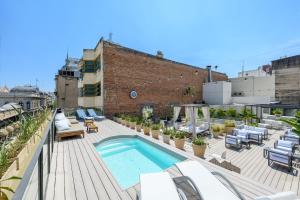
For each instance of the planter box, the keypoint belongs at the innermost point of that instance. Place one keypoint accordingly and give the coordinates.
(146, 130)
(179, 143)
(139, 128)
(127, 124)
(228, 130)
(199, 150)
(18, 167)
(132, 125)
(166, 138)
(155, 133)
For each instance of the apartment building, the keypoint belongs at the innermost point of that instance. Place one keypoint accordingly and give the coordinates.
(287, 79)
(67, 84)
(117, 79)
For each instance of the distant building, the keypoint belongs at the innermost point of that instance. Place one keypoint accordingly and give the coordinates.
(4, 90)
(67, 84)
(117, 79)
(265, 70)
(29, 97)
(287, 79)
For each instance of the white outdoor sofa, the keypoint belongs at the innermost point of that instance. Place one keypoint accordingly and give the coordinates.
(264, 131)
(285, 145)
(280, 196)
(289, 135)
(249, 135)
(279, 156)
(232, 140)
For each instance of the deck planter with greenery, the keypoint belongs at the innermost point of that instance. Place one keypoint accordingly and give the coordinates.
(199, 147)
(179, 139)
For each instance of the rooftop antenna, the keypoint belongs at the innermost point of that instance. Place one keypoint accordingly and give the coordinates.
(110, 37)
(243, 68)
(36, 82)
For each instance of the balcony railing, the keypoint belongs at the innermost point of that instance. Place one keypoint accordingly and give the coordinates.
(35, 179)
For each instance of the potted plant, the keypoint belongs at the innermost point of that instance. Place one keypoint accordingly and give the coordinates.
(127, 121)
(216, 130)
(277, 112)
(229, 126)
(139, 124)
(146, 127)
(132, 123)
(179, 138)
(155, 130)
(199, 146)
(123, 119)
(167, 135)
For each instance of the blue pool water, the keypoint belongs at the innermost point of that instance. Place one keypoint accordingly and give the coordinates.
(127, 158)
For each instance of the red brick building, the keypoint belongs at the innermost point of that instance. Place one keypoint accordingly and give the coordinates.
(112, 72)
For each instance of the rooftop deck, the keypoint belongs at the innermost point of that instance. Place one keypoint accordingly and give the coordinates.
(77, 172)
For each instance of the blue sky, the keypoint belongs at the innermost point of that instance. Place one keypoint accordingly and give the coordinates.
(35, 35)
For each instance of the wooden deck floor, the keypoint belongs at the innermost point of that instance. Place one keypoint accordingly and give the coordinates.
(77, 171)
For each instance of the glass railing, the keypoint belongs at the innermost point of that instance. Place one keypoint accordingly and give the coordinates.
(34, 181)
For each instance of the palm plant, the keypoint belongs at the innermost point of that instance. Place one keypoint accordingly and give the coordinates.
(4, 189)
(247, 115)
(294, 123)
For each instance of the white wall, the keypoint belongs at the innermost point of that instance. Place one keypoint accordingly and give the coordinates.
(254, 86)
(217, 93)
(251, 100)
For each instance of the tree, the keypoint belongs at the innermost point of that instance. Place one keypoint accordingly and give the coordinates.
(294, 123)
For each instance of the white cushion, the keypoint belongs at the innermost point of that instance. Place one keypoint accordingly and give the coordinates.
(60, 116)
(283, 143)
(62, 125)
(284, 148)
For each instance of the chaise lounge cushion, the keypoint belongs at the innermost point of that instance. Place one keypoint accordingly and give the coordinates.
(62, 125)
(284, 145)
(60, 116)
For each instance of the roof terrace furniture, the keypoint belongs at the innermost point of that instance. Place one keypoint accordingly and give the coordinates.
(278, 125)
(249, 135)
(93, 114)
(231, 140)
(262, 125)
(289, 135)
(64, 128)
(264, 131)
(284, 146)
(212, 187)
(279, 156)
(81, 115)
(158, 186)
(280, 196)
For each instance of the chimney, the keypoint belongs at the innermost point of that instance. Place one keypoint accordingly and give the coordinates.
(159, 54)
(209, 78)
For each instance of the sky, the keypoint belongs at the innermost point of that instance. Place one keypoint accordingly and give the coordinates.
(35, 35)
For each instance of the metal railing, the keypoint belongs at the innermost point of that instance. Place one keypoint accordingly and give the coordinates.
(36, 168)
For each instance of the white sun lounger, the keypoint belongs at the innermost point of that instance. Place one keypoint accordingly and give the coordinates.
(208, 185)
(158, 186)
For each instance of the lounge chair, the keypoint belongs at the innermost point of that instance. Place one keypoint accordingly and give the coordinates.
(93, 114)
(231, 140)
(73, 130)
(81, 115)
(158, 186)
(208, 185)
(284, 146)
(248, 135)
(280, 196)
(279, 156)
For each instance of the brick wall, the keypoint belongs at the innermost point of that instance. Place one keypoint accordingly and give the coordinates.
(158, 82)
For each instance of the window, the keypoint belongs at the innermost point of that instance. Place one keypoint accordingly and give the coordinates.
(91, 66)
(91, 90)
(28, 105)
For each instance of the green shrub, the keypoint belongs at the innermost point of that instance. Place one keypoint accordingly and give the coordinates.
(229, 123)
(220, 113)
(199, 141)
(277, 111)
(231, 112)
(155, 127)
(179, 134)
(168, 132)
(212, 112)
(146, 123)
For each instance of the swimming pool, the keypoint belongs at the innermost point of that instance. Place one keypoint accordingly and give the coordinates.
(128, 157)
